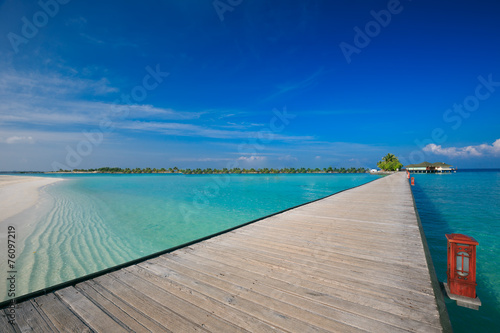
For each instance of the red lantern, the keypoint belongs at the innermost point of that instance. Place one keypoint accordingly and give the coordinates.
(462, 265)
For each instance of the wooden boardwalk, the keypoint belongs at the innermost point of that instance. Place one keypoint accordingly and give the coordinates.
(352, 262)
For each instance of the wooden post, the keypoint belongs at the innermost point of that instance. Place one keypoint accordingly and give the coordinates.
(461, 271)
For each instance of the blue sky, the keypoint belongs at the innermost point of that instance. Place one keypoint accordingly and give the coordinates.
(261, 83)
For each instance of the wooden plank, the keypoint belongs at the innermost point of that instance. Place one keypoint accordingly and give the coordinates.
(97, 319)
(299, 216)
(390, 258)
(383, 214)
(265, 308)
(343, 311)
(331, 280)
(324, 253)
(5, 326)
(423, 293)
(318, 215)
(60, 316)
(157, 311)
(287, 262)
(318, 236)
(230, 300)
(321, 291)
(344, 231)
(362, 287)
(220, 309)
(114, 306)
(365, 289)
(331, 263)
(339, 207)
(321, 253)
(298, 319)
(29, 319)
(370, 225)
(197, 315)
(360, 251)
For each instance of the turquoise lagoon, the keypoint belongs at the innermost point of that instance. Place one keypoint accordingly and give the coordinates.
(466, 202)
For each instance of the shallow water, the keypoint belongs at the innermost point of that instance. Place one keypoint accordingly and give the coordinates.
(466, 202)
(99, 221)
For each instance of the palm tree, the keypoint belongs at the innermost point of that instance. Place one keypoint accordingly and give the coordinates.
(390, 163)
(388, 158)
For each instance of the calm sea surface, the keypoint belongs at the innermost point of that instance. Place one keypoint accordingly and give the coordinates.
(466, 202)
(99, 221)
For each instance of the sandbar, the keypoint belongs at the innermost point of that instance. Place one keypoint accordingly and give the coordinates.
(18, 193)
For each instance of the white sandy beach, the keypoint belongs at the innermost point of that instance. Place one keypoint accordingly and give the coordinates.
(21, 203)
(18, 193)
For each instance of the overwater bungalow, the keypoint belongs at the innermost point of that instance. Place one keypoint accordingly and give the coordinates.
(426, 167)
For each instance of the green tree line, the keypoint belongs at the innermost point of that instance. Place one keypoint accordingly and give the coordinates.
(199, 171)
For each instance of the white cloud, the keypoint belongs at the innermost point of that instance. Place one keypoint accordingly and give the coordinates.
(467, 151)
(202, 159)
(289, 86)
(287, 158)
(36, 84)
(145, 111)
(190, 130)
(18, 139)
(54, 103)
(38, 136)
(61, 112)
(251, 158)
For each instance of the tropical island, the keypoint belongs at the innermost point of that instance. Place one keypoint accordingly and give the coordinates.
(388, 163)
(199, 171)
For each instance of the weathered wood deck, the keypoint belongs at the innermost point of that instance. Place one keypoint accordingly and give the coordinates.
(352, 262)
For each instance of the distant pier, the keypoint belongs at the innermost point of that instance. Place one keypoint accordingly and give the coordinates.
(355, 261)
